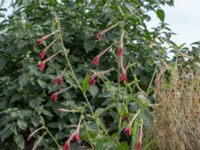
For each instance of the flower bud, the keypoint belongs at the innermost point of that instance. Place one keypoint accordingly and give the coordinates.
(54, 97)
(127, 131)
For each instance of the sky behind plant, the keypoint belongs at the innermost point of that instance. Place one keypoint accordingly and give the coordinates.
(183, 19)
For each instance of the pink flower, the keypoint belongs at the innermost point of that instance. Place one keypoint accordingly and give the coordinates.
(41, 66)
(57, 81)
(41, 40)
(119, 52)
(91, 80)
(54, 97)
(95, 61)
(157, 81)
(99, 36)
(76, 137)
(139, 145)
(42, 54)
(66, 146)
(123, 76)
(127, 131)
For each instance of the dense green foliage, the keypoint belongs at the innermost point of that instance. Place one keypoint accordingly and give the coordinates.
(25, 91)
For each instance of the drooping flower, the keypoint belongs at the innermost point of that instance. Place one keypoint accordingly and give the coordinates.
(138, 145)
(41, 40)
(95, 61)
(123, 76)
(54, 97)
(76, 137)
(42, 54)
(91, 80)
(66, 146)
(41, 65)
(157, 81)
(119, 52)
(57, 80)
(127, 131)
(99, 36)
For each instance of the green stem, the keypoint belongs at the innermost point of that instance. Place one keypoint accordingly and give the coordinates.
(74, 75)
(53, 138)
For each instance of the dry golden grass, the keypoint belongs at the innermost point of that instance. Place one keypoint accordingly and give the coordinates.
(177, 117)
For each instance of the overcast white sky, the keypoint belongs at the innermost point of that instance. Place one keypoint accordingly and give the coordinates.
(183, 19)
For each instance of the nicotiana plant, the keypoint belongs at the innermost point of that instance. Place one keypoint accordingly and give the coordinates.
(125, 126)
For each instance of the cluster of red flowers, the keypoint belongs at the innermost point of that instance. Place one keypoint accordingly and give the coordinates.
(74, 137)
(41, 65)
(56, 81)
(96, 59)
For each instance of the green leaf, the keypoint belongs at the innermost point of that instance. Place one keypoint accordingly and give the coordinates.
(47, 113)
(19, 140)
(6, 132)
(33, 69)
(87, 135)
(42, 83)
(35, 103)
(130, 7)
(123, 146)
(85, 84)
(99, 143)
(93, 90)
(88, 45)
(22, 124)
(24, 113)
(3, 63)
(22, 80)
(135, 2)
(35, 121)
(161, 14)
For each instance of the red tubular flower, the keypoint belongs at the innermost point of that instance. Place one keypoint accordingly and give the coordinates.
(76, 137)
(119, 52)
(123, 76)
(42, 54)
(127, 131)
(41, 66)
(66, 146)
(99, 36)
(57, 81)
(95, 61)
(91, 80)
(41, 40)
(139, 145)
(157, 81)
(54, 97)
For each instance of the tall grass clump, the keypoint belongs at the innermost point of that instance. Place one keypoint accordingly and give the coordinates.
(177, 116)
